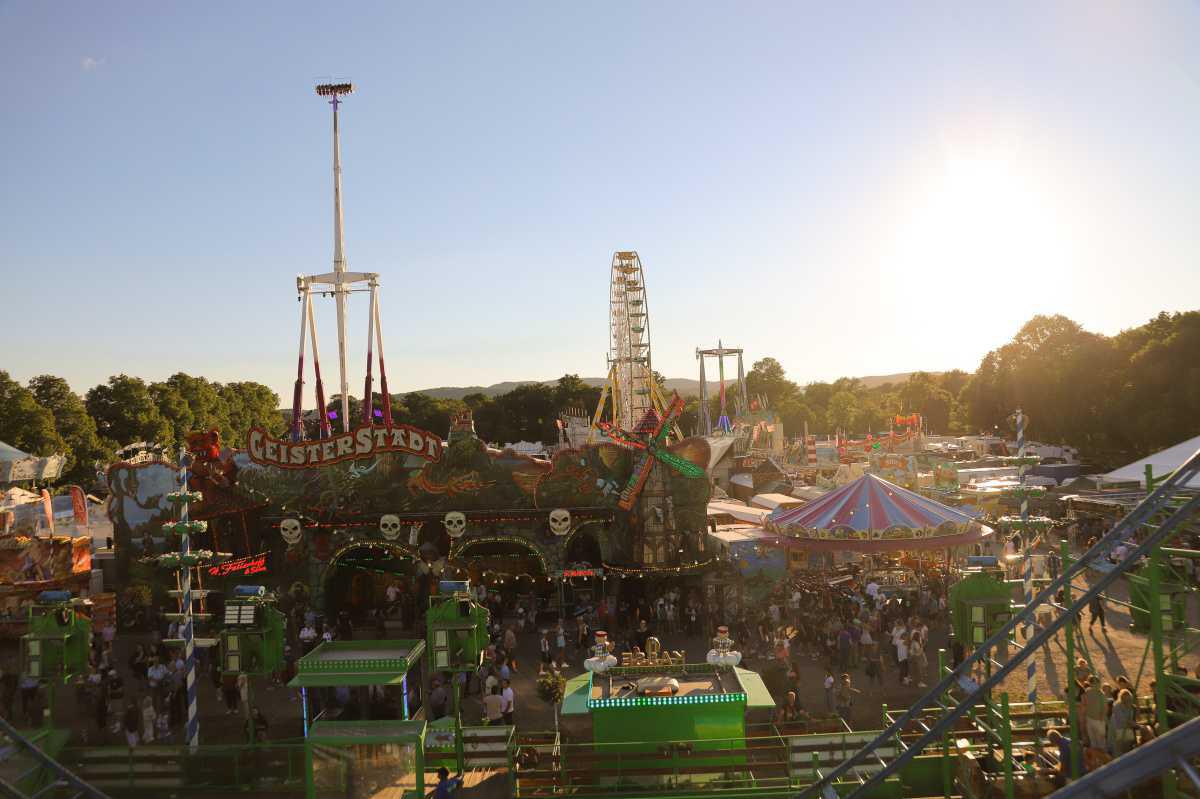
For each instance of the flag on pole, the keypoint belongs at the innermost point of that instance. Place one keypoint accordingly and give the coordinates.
(48, 510)
(79, 506)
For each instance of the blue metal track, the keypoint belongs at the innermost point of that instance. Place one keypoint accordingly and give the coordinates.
(1160, 499)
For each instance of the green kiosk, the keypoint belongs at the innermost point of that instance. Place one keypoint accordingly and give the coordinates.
(457, 630)
(55, 650)
(980, 602)
(658, 720)
(371, 746)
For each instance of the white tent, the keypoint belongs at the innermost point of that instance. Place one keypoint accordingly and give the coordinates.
(16, 465)
(1163, 462)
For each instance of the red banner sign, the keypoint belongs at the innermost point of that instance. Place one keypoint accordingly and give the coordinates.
(242, 567)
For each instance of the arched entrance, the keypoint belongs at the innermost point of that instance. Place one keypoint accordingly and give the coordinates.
(513, 571)
(368, 582)
(583, 560)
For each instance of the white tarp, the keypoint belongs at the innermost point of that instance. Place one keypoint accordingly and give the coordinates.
(740, 512)
(1164, 462)
(16, 465)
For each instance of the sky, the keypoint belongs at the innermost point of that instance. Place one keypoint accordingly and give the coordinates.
(852, 189)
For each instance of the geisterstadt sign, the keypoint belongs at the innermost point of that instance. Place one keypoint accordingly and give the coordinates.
(364, 442)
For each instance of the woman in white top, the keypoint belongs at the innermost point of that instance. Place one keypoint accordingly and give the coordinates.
(148, 719)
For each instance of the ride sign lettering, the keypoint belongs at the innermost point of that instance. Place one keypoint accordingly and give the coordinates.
(242, 567)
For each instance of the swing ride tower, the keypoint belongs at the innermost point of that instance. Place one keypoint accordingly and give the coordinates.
(339, 284)
(741, 400)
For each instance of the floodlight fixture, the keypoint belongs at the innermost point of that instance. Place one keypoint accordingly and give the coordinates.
(328, 89)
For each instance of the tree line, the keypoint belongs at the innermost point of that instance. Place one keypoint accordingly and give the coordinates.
(1116, 398)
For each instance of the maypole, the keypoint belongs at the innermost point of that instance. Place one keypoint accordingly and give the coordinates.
(183, 562)
(1031, 668)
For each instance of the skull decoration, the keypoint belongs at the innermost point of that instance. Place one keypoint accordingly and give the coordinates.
(389, 526)
(560, 521)
(455, 523)
(290, 531)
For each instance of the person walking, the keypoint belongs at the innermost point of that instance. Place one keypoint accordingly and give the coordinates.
(1095, 714)
(510, 702)
(1096, 609)
(917, 660)
(149, 717)
(845, 698)
(493, 708)
(510, 647)
(129, 723)
(1121, 724)
(902, 654)
(829, 684)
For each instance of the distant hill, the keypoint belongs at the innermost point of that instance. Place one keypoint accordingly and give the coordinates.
(686, 386)
(683, 385)
(878, 380)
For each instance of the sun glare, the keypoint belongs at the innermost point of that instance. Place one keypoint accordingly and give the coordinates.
(980, 221)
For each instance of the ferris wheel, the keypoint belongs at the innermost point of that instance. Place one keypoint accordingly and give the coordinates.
(630, 374)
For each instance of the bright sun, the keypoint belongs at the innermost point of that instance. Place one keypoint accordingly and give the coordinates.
(979, 222)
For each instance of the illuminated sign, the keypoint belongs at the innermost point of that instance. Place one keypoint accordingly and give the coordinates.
(365, 442)
(242, 567)
(580, 573)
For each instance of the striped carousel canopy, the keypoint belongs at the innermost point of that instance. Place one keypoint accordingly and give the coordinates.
(870, 504)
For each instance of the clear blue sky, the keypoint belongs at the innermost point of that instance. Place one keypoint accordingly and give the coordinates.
(869, 189)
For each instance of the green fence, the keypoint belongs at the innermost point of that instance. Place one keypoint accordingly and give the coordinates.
(272, 768)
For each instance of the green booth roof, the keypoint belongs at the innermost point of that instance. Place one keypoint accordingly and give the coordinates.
(578, 697)
(364, 732)
(351, 663)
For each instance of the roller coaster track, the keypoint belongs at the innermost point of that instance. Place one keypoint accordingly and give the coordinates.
(22, 763)
(1161, 499)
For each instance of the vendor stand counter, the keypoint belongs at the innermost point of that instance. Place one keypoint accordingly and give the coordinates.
(366, 759)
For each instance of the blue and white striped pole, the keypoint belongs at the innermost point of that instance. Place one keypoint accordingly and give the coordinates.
(192, 734)
(1027, 541)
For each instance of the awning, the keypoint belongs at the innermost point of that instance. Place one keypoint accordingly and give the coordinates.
(972, 535)
(575, 696)
(1163, 463)
(757, 694)
(334, 664)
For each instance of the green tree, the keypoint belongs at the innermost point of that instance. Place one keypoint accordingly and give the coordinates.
(125, 412)
(843, 409)
(795, 414)
(24, 423)
(250, 405)
(768, 378)
(922, 394)
(174, 411)
(73, 424)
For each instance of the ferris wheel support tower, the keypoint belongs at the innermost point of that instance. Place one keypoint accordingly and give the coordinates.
(630, 386)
